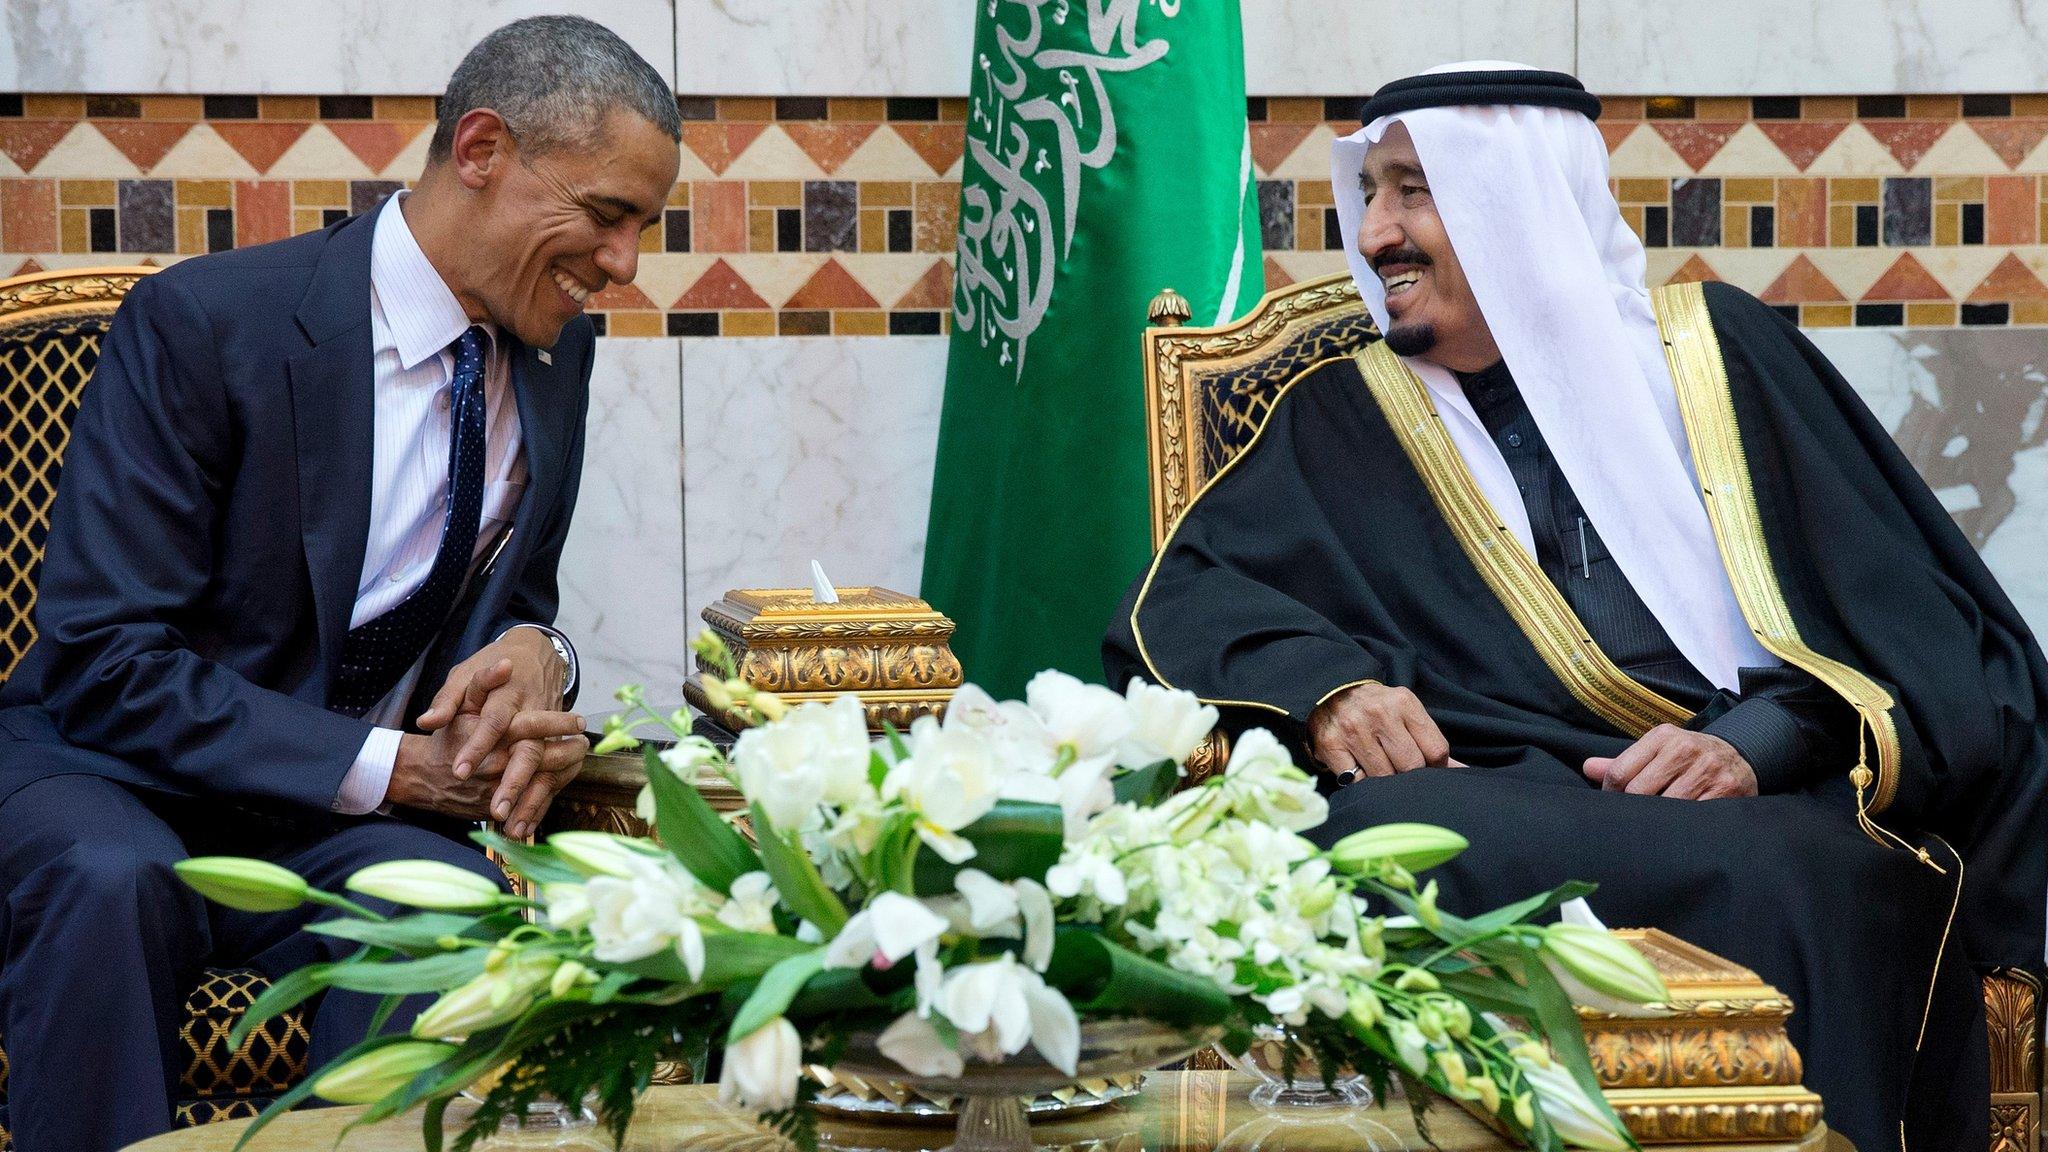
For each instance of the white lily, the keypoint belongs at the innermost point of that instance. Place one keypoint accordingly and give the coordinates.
(632, 919)
(1577, 1119)
(568, 905)
(1087, 720)
(1167, 724)
(914, 1043)
(1020, 909)
(950, 779)
(600, 853)
(426, 884)
(751, 905)
(891, 927)
(762, 1069)
(1007, 1005)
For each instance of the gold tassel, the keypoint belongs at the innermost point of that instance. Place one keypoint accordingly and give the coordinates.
(1861, 777)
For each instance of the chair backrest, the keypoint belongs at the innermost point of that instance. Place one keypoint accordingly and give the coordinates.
(50, 329)
(1207, 390)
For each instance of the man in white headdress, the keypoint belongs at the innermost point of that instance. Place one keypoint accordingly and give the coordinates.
(1628, 587)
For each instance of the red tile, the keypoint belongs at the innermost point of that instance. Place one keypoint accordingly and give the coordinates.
(263, 211)
(2011, 139)
(1907, 279)
(1802, 212)
(933, 290)
(1693, 271)
(1802, 283)
(2011, 280)
(940, 145)
(143, 142)
(1696, 142)
(718, 216)
(719, 144)
(2010, 213)
(1276, 276)
(1272, 144)
(28, 215)
(620, 297)
(829, 144)
(831, 287)
(1616, 131)
(260, 142)
(375, 142)
(719, 287)
(1907, 140)
(1802, 140)
(28, 267)
(26, 142)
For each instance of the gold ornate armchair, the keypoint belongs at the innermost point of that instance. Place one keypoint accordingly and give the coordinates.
(51, 324)
(1206, 392)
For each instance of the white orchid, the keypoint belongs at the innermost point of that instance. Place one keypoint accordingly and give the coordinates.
(761, 1071)
(1266, 787)
(751, 905)
(890, 928)
(1019, 909)
(1084, 720)
(656, 909)
(1167, 724)
(950, 779)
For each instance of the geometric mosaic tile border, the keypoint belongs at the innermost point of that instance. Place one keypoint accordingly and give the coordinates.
(806, 216)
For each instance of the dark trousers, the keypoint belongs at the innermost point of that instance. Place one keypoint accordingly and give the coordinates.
(100, 942)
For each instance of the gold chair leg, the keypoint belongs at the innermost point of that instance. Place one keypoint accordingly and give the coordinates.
(2012, 1014)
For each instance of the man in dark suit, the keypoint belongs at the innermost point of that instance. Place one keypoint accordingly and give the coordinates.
(300, 572)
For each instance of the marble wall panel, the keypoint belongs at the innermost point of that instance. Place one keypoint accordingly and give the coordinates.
(797, 449)
(1761, 47)
(921, 47)
(1970, 409)
(622, 568)
(357, 47)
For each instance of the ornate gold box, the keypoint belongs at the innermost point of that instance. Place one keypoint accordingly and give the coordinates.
(1715, 1066)
(890, 648)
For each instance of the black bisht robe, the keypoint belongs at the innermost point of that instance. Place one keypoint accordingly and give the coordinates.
(1344, 545)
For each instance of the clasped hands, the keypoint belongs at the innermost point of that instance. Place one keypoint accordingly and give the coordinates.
(495, 744)
(1378, 730)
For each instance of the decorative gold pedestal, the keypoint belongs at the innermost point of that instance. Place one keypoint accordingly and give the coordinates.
(1718, 1067)
(888, 647)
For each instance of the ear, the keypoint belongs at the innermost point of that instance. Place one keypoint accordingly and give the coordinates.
(483, 146)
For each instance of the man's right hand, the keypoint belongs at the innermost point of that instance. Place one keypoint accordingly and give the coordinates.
(1375, 730)
(546, 748)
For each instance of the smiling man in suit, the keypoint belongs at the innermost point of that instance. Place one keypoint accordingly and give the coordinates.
(301, 571)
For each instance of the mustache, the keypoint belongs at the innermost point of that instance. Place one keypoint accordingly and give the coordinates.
(1400, 256)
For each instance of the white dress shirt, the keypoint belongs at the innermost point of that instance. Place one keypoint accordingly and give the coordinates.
(414, 319)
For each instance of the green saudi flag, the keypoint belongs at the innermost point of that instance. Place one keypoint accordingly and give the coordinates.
(1107, 158)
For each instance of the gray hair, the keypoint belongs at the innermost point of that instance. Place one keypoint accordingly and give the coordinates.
(553, 79)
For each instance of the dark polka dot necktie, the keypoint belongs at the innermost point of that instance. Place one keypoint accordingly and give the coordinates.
(377, 653)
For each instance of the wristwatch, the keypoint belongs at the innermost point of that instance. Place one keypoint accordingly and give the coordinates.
(566, 653)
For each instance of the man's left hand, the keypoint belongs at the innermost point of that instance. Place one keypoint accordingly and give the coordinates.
(1670, 761)
(520, 672)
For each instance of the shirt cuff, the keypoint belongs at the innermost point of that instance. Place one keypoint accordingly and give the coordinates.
(564, 649)
(1769, 737)
(369, 778)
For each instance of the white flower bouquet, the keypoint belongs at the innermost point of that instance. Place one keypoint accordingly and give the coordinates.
(966, 889)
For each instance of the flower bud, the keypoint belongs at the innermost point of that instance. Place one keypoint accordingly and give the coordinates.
(1414, 847)
(242, 884)
(1425, 907)
(566, 978)
(1604, 962)
(1488, 1092)
(716, 695)
(486, 1001)
(1320, 899)
(1525, 1110)
(762, 1069)
(596, 853)
(568, 905)
(427, 884)
(1417, 980)
(617, 737)
(769, 705)
(1365, 1009)
(374, 1075)
(709, 647)
(1452, 1065)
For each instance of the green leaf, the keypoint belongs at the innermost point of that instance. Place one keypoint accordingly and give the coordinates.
(878, 769)
(834, 992)
(1017, 840)
(611, 985)
(1106, 978)
(419, 933)
(710, 848)
(433, 974)
(1488, 993)
(796, 878)
(536, 862)
(284, 994)
(303, 1090)
(896, 853)
(1525, 910)
(771, 997)
(729, 958)
(1148, 785)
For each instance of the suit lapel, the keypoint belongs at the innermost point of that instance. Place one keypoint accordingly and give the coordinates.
(333, 392)
(543, 413)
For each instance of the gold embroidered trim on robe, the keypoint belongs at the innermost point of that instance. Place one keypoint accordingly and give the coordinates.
(1522, 588)
(1704, 401)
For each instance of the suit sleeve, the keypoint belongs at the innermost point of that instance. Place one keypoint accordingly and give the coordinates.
(536, 597)
(129, 555)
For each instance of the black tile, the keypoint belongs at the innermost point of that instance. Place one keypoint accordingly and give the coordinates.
(1696, 213)
(831, 216)
(100, 233)
(1774, 108)
(1973, 223)
(1668, 108)
(1656, 226)
(230, 107)
(789, 230)
(1987, 105)
(1880, 107)
(913, 323)
(10, 103)
(329, 217)
(800, 108)
(148, 220)
(1866, 225)
(697, 107)
(1976, 314)
(1254, 108)
(902, 237)
(675, 230)
(598, 322)
(347, 108)
(1880, 315)
(363, 195)
(693, 323)
(1345, 108)
(1763, 226)
(220, 229)
(913, 108)
(113, 107)
(1276, 215)
(1788, 311)
(1333, 231)
(1908, 211)
(804, 323)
